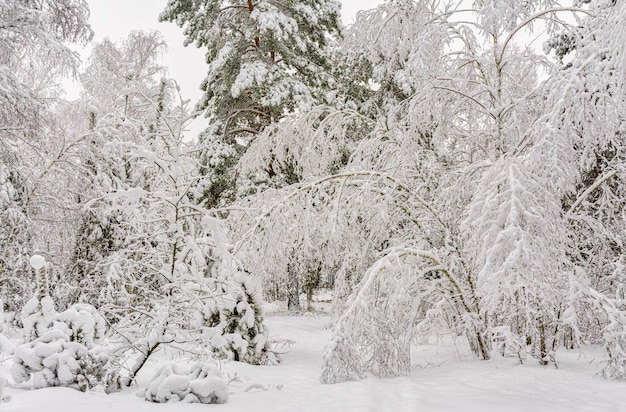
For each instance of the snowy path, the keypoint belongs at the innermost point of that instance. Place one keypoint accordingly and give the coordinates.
(442, 381)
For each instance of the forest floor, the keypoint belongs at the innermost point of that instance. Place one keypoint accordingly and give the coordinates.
(445, 377)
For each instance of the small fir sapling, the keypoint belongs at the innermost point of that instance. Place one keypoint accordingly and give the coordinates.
(54, 360)
(82, 323)
(61, 348)
(233, 321)
(38, 312)
(233, 325)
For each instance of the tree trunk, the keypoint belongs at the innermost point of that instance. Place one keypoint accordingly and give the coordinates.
(293, 290)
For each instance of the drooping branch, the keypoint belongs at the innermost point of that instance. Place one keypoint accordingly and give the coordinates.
(530, 19)
(308, 187)
(599, 181)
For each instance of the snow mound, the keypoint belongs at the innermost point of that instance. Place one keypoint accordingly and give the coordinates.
(37, 262)
(198, 383)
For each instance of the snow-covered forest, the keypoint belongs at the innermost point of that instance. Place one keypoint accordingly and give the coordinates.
(422, 187)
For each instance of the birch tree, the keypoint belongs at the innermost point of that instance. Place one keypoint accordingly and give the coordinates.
(35, 53)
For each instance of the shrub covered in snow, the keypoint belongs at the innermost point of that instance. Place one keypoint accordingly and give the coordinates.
(37, 315)
(38, 312)
(392, 307)
(232, 322)
(55, 360)
(61, 347)
(82, 323)
(233, 325)
(198, 383)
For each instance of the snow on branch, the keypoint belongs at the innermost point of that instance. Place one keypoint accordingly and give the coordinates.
(599, 181)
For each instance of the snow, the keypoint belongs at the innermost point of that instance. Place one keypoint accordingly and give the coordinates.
(209, 390)
(37, 262)
(37, 315)
(444, 377)
(269, 18)
(196, 384)
(250, 74)
(82, 323)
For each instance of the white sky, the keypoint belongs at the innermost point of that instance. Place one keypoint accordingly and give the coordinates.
(116, 18)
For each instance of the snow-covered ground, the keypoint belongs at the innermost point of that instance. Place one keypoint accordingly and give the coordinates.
(444, 378)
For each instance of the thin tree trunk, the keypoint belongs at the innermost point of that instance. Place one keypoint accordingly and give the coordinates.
(293, 290)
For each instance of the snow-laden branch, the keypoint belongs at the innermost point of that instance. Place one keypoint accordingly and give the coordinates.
(534, 17)
(599, 181)
(308, 187)
(467, 96)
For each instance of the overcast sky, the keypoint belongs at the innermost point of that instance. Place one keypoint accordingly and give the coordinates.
(116, 18)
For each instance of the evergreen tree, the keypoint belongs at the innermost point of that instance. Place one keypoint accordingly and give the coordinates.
(265, 59)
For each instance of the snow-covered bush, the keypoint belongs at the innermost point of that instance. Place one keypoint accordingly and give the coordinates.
(209, 306)
(233, 325)
(55, 360)
(82, 323)
(60, 347)
(397, 300)
(232, 321)
(198, 383)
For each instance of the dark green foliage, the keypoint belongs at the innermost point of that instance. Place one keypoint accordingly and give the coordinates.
(236, 322)
(265, 60)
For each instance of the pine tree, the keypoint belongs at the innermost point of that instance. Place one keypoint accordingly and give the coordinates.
(265, 59)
